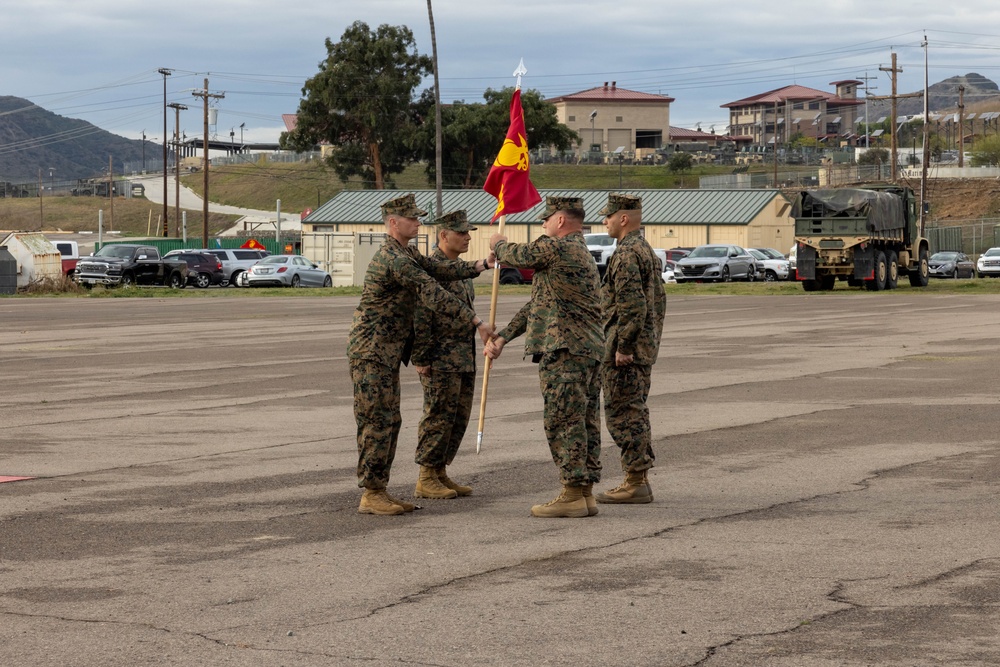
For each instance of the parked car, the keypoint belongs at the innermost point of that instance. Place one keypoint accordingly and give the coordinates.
(669, 269)
(511, 276)
(771, 253)
(951, 264)
(287, 271)
(988, 263)
(203, 269)
(602, 246)
(717, 262)
(128, 264)
(770, 267)
(675, 254)
(235, 261)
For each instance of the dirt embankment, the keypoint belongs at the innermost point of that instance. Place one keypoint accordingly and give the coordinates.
(962, 199)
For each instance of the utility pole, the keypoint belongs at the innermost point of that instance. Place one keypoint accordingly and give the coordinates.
(924, 205)
(866, 79)
(893, 157)
(111, 193)
(775, 140)
(178, 108)
(41, 207)
(205, 95)
(961, 126)
(165, 72)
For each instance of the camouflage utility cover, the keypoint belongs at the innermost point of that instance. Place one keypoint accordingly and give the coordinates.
(556, 204)
(405, 206)
(617, 202)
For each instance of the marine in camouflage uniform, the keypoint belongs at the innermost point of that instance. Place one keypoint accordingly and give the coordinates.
(634, 308)
(381, 337)
(444, 354)
(562, 323)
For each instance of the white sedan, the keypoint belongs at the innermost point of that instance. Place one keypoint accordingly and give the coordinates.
(287, 271)
(770, 267)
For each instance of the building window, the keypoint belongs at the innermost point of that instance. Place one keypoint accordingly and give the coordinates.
(648, 138)
(618, 119)
(571, 119)
(797, 105)
(814, 105)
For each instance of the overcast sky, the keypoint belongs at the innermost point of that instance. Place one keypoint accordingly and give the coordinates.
(97, 60)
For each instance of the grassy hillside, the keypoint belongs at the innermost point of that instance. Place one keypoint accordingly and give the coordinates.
(310, 184)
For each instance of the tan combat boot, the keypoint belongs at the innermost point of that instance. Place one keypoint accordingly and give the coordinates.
(460, 489)
(570, 503)
(635, 489)
(407, 507)
(429, 486)
(375, 501)
(588, 496)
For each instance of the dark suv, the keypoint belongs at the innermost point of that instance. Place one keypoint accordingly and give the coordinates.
(203, 269)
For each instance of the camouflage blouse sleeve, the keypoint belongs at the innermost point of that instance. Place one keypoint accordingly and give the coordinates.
(517, 325)
(538, 254)
(410, 274)
(630, 300)
(424, 335)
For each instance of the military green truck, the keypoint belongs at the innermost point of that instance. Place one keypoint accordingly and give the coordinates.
(868, 237)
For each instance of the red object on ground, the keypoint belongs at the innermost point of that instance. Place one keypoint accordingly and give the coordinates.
(4, 478)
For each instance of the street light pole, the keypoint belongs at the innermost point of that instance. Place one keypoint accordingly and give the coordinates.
(165, 72)
(144, 152)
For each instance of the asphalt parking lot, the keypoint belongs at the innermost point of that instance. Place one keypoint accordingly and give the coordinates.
(826, 494)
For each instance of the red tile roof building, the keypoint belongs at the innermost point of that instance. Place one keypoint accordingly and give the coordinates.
(780, 114)
(610, 117)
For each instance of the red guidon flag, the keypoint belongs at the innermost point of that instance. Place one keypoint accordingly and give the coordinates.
(508, 179)
(253, 244)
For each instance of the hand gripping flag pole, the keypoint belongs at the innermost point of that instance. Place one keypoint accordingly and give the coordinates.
(509, 181)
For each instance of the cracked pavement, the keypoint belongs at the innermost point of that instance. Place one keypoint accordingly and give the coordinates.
(826, 494)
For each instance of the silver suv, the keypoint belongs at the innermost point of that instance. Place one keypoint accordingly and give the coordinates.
(235, 261)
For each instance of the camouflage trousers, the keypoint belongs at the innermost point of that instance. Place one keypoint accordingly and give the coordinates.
(626, 389)
(376, 411)
(447, 407)
(571, 390)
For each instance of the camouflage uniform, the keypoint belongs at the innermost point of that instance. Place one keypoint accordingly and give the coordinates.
(634, 307)
(563, 325)
(381, 337)
(448, 346)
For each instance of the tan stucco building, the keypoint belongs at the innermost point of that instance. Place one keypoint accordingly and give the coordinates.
(610, 117)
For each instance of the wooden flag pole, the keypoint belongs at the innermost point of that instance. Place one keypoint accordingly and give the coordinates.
(489, 362)
(493, 304)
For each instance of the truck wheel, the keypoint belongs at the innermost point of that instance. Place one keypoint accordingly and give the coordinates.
(236, 278)
(770, 276)
(877, 283)
(892, 270)
(510, 277)
(827, 283)
(810, 285)
(202, 280)
(176, 281)
(921, 275)
(128, 280)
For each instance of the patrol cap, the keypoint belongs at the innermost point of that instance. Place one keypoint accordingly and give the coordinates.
(618, 202)
(405, 206)
(456, 221)
(554, 204)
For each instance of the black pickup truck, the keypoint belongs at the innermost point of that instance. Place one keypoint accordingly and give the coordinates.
(130, 264)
